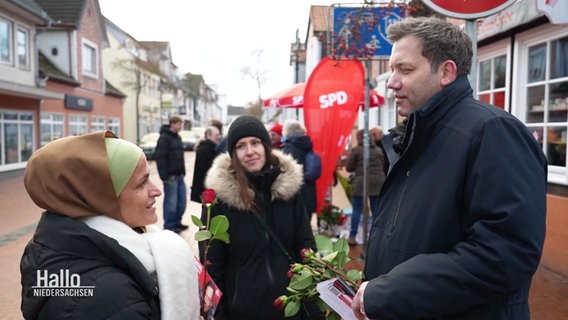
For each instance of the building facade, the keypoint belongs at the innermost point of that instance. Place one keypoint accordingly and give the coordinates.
(21, 90)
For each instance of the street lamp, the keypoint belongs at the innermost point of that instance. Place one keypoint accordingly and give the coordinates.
(296, 51)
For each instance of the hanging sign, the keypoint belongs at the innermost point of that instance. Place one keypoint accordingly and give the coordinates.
(468, 9)
(364, 28)
(555, 10)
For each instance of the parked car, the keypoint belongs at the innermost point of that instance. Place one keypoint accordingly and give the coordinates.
(148, 144)
(189, 139)
(199, 132)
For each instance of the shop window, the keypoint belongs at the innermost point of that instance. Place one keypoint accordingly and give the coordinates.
(17, 136)
(114, 126)
(547, 97)
(492, 80)
(556, 147)
(77, 125)
(52, 126)
(97, 124)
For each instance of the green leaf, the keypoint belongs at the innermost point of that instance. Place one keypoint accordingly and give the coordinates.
(333, 316)
(324, 244)
(202, 235)
(196, 221)
(354, 275)
(292, 290)
(301, 281)
(340, 260)
(329, 257)
(222, 236)
(219, 224)
(292, 308)
(322, 305)
(341, 245)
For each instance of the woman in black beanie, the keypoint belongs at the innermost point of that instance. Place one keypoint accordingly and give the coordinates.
(257, 189)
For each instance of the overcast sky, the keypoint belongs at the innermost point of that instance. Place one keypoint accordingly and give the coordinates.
(217, 38)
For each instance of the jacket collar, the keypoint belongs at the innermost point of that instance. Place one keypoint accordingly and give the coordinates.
(223, 180)
(435, 109)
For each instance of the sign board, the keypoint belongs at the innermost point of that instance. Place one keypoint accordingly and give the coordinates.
(78, 103)
(371, 22)
(518, 14)
(555, 10)
(468, 9)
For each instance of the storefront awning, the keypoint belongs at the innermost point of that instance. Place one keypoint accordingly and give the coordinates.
(20, 90)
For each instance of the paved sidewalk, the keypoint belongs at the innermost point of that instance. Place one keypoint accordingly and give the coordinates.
(19, 216)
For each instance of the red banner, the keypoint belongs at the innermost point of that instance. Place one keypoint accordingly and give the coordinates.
(331, 101)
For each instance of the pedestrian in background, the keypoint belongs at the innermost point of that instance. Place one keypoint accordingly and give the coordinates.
(258, 191)
(461, 221)
(275, 133)
(98, 228)
(376, 133)
(204, 156)
(169, 156)
(375, 179)
(298, 144)
(222, 144)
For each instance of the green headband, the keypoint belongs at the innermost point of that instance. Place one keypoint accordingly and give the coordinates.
(123, 157)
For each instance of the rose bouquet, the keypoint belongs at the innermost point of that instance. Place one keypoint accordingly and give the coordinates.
(325, 264)
(330, 219)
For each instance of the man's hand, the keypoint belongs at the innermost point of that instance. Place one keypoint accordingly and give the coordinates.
(357, 304)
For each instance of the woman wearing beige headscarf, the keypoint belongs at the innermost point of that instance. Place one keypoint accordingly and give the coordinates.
(95, 253)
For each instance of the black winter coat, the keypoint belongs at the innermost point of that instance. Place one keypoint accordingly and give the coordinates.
(123, 289)
(375, 170)
(169, 154)
(461, 221)
(251, 271)
(204, 157)
(298, 147)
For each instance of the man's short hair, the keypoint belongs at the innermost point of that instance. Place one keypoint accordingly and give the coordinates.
(175, 119)
(216, 123)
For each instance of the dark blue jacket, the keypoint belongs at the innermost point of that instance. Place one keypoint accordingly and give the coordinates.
(297, 147)
(169, 154)
(461, 221)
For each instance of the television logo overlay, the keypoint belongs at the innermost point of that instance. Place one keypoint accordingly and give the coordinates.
(62, 284)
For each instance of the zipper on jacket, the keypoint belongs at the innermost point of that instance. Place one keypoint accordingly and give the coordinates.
(392, 226)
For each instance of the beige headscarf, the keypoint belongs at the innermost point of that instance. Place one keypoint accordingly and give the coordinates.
(71, 176)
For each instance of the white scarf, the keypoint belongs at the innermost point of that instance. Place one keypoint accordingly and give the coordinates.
(164, 253)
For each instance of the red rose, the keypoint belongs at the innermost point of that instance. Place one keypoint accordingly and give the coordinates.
(290, 272)
(280, 302)
(342, 219)
(208, 196)
(307, 254)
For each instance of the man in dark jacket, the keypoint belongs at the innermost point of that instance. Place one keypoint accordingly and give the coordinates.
(461, 221)
(204, 156)
(169, 156)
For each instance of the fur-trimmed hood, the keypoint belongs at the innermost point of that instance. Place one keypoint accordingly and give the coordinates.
(224, 182)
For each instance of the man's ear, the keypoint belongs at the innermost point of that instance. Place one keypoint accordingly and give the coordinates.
(448, 70)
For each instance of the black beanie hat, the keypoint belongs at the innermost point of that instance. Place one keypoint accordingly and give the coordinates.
(246, 126)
